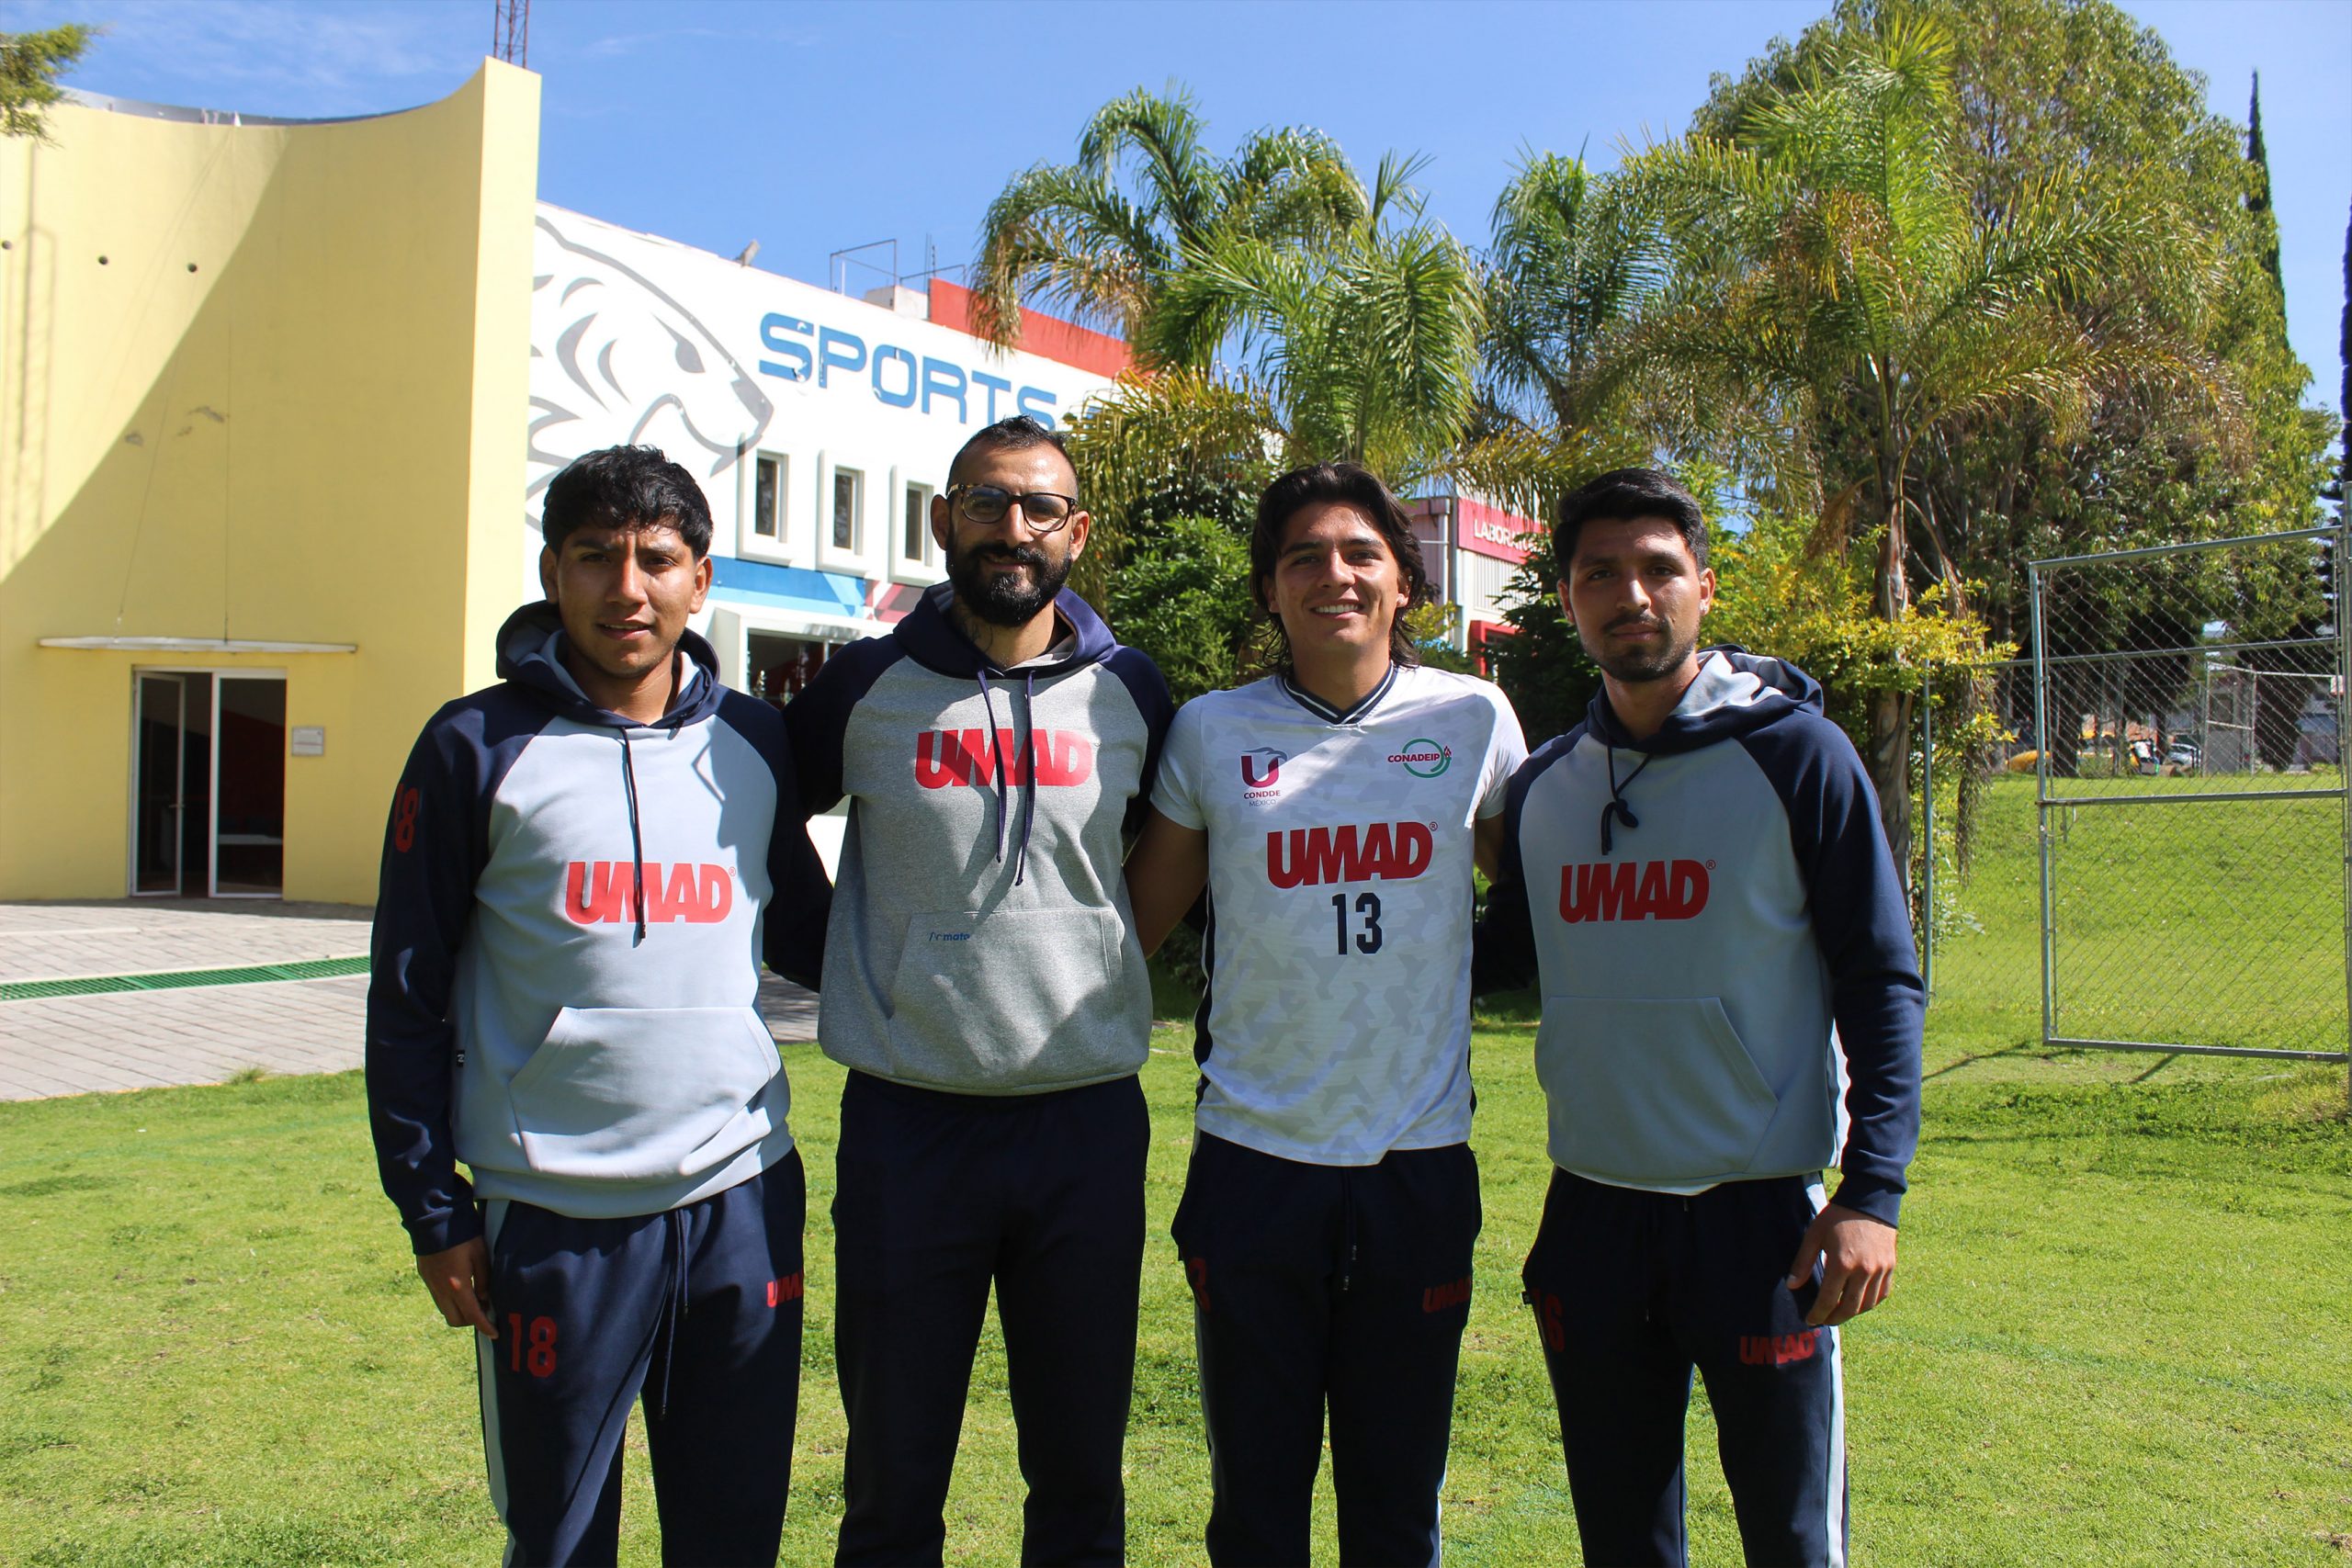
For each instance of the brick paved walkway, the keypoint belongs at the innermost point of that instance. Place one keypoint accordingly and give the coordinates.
(204, 1033)
(56, 941)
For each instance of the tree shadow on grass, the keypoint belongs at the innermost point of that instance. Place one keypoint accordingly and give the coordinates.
(2022, 1049)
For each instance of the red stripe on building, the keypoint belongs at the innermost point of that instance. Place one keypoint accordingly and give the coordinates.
(951, 306)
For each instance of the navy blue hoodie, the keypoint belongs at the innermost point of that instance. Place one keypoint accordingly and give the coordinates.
(1729, 987)
(569, 923)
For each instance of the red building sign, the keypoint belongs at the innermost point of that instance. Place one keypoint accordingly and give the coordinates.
(1490, 531)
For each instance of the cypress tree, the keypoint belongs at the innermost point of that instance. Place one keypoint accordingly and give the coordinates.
(2257, 195)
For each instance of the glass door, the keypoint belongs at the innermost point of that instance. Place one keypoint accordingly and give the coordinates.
(173, 769)
(249, 839)
(209, 785)
(156, 772)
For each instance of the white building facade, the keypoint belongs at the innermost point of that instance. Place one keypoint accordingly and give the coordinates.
(818, 426)
(1471, 548)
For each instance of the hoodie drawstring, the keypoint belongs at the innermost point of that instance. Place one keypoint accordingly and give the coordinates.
(996, 755)
(1028, 779)
(1617, 807)
(636, 840)
(1004, 775)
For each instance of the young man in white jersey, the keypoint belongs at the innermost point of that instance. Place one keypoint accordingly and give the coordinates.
(1335, 811)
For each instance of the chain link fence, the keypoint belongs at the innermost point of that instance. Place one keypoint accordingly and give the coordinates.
(2151, 855)
(1976, 869)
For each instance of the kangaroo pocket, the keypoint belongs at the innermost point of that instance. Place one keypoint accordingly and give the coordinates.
(1031, 991)
(640, 1094)
(1650, 1092)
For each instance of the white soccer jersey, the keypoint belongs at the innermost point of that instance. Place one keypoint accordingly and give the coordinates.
(1338, 1019)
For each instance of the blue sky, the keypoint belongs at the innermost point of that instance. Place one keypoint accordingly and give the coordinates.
(814, 127)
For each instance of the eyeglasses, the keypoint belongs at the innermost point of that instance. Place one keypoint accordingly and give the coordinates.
(1045, 512)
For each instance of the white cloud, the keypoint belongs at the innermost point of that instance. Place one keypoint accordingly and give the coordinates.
(328, 57)
(620, 44)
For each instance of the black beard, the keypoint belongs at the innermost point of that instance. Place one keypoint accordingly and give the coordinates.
(1636, 665)
(1005, 601)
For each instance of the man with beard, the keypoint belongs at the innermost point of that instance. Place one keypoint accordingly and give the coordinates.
(1731, 1004)
(984, 986)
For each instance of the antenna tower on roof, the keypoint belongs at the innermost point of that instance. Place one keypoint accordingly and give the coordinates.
(510, 32)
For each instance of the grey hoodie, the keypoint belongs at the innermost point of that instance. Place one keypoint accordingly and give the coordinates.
(981, 941)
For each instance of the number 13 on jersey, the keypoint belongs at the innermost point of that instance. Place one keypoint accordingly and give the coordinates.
(1367, 920)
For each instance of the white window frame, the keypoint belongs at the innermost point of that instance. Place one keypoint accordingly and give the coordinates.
(749, 542)
(923, 566)
(830, 555)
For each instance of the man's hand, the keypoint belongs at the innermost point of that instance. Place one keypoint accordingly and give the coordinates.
(459, 1281)
(1858, 1264)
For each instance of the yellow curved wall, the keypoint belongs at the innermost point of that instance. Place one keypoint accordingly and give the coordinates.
(288, 406)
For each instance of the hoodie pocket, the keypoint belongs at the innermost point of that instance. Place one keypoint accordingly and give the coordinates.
(644, 1094)
(978, 997)
(1650, 1092)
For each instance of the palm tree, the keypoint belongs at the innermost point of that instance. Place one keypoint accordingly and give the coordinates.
(1568, 266)
(1836, 302)
(1365, 346)
(1099, 238)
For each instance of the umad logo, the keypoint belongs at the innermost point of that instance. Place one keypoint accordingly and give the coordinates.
(1424, 758)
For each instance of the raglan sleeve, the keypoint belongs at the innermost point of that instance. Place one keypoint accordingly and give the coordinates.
(800, 895)
(1862, 920)
(1148, 689)
(801, 905)
(434, 850)
(815, 722)
(1175, 793)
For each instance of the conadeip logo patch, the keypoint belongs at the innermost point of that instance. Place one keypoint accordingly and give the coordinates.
(1424, 758)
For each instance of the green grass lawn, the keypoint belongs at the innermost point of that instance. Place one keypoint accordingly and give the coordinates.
(2121, 1336)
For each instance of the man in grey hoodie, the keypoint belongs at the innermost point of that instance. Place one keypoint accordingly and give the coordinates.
(984, 986)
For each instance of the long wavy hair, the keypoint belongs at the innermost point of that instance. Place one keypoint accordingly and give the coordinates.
(1354, 485)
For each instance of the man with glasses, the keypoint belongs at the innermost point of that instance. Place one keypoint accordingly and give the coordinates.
(984, 986)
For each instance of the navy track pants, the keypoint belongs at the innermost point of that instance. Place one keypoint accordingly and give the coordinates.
(1316, 1286)
(1632, 1290)
(699, 1310)
(939, 1195)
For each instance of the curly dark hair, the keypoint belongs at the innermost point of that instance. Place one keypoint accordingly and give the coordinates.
(622, 485)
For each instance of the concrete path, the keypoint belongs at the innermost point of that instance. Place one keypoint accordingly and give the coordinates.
(124, 936)
(132, 1039)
